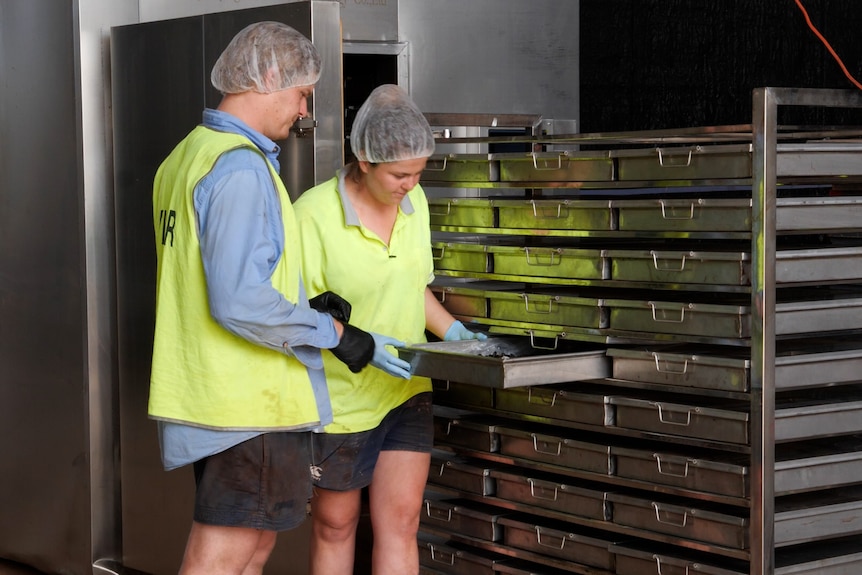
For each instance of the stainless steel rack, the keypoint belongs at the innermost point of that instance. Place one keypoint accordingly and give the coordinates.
(784, 374)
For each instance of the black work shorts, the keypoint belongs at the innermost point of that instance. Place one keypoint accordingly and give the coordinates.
(262, 483)
(345, 461)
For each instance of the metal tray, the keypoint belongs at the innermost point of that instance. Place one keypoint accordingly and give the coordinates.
(550, 262)
(462, 475)
(455, 560)
(684, 471)
(473, 432)
(724, 424)
(680, 318)
(814, 517)
(797, 419)
(461, 212)
(562, 166)
(696, 524)
(689, 162)
(464, 301)
(557, 450)
(684, 215)
(818, 265)
(463, 517)
(548, 307)
(630, 561)
(841, 557)
(559, 542)
(683, 267)
(461, 257)
(814, 465)
(549, 493)
(461, 168)
(501, 362)
(557, 403)
(818, 214)
(462, 394)
(555, 214)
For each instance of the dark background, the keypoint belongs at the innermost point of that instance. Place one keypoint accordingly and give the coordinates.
(657, 64)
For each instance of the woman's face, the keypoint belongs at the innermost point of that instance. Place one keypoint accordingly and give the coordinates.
(389, 182)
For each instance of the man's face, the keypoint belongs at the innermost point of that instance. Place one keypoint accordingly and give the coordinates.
(284, 108)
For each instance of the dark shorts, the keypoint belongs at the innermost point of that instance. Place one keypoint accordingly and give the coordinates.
(345, 461)
(262, 483)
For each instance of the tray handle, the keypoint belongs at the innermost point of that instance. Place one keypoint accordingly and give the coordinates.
(547, 215)
(534, 345)
(555, 258)
(669, 516)
(435, 257)
(668, 214)
(439, 556)
(664, 418)
(659, 369)
(543, 399)
(447, 517)
(537, 493)
(668, 268)
(535, 309)
(669, 163)
(434, 161)
(449, 210)
(551, 544)
(657, 319)
(545, 163)
(667, 471)
(543, 451)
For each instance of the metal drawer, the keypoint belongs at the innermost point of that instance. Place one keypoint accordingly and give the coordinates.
(666, 317)
(673, 366)
(563, 166)
(462, 475)
(556, 450)
(683, 267)
(684, 215)
(458, 516)
(685, 163)
(463, 301)
(550, 307)
(813, 465)
(461, 212)
(630, 561)
(547, 538)
(717, 528)
(555, 214)
(818, 214)
(549, 493)
(461, 168)
(725, 424)
(462, 394)
(822, 515)
(475, 433)
(549, 262)
(452, 560)
(683, 471)
(502, 362)
(798, 419)
(557, 403)
(461, 257)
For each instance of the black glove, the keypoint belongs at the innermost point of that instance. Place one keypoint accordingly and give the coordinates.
(333, 304)
(355, 349)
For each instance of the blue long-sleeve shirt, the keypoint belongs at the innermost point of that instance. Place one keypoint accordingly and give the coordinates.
(239, 256)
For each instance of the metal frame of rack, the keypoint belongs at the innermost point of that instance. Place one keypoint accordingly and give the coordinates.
(763, 136)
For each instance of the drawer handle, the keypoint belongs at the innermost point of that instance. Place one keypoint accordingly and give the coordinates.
(668, 214)
(669, 520)
(534, 490)
(548, 452)
(443, 467)
(535, 308)
(433, 162)
(435, 257)
(439, 514)
(441, 556)
(442, 297)
(670, 163)
(552, 545)
(667, 471)
(545, 163)
(543, 400)
(667, 268)
(554, 259)
(440, 385)
(534, 345)
(547, 214)
(665, 416)
(658, 365)
(449, 211)
(657, 319)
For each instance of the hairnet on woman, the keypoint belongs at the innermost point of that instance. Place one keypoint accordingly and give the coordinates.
(366, 235)
(389, 127)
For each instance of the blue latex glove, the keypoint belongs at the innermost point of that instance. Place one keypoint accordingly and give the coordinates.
(457, 332)
(385, 360)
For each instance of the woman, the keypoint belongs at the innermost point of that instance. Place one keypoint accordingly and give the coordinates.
(366, 235)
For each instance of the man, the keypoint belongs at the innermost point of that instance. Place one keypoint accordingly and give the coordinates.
(237, 378)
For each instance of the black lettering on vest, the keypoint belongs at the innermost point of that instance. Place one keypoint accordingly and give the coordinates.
(167, 219)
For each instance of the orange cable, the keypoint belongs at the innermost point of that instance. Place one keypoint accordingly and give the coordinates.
(828, 46)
